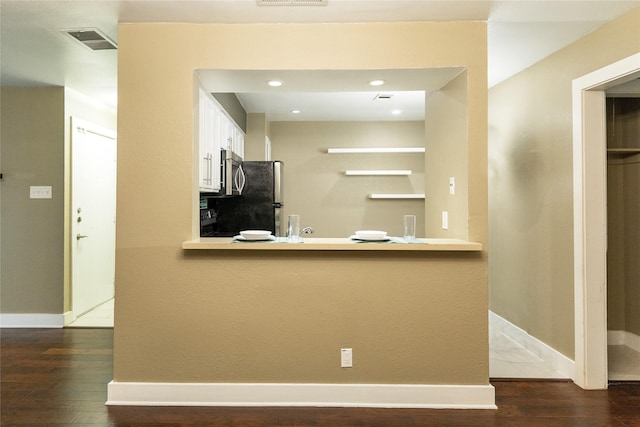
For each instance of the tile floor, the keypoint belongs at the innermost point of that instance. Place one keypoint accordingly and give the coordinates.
(99, 317)
(507, 359)
(624, 363)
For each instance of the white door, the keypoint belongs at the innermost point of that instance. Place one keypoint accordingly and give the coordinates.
(93, 215)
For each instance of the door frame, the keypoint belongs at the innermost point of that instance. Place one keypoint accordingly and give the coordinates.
(590, 218)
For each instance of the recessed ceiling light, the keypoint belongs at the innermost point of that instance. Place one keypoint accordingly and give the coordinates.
(274, 83)
(295, 111)
(396, 112)
(376, 82)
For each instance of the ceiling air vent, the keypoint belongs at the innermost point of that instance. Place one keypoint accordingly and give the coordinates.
(291, 2)
(92, 38)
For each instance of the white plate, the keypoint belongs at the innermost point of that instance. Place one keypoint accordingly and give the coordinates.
(371, 235)
(255, 234)
(371, 238)
(254, 239)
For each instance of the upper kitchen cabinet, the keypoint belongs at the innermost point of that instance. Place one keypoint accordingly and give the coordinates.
(216, 131)
(209, 143)
(232, 136)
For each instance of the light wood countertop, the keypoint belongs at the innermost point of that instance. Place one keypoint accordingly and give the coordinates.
(333, 244)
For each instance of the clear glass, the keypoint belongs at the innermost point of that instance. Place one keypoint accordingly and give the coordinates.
(293, 229)
(409, 228)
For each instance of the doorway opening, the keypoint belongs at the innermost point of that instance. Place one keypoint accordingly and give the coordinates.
(590, 218)
(93, 217)
(623, 231)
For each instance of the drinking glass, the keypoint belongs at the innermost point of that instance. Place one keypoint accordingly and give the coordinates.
(409, 228)
(293, 229)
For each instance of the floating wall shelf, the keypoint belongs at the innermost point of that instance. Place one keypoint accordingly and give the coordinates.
(375, 150)
(623, 151)
(377, 172)
(396, 196)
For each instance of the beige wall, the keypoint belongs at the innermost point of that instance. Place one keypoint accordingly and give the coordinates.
(32, 229)
(334, 204)
(632, 249)
(212, 316)
(623, 269)
(36, 151)
(447, 156)
(616, 226)
(530, 181)
(254, 140)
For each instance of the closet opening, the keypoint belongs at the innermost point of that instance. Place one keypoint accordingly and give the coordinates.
(623, 232)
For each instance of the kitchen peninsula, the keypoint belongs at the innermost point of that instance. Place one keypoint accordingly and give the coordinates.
(333, 244)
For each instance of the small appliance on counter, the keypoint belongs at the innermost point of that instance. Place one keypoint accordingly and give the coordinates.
(257, 206)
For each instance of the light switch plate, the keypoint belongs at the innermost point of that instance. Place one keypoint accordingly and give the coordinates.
(445, 220)
(40, 192)
(452, 186)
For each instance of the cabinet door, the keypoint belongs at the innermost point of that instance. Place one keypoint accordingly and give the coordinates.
(214, 144)
(209, 160)
(203, 156)
(238, 142)
(227, 126)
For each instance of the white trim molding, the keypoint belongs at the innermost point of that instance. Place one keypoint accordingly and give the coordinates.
(589, 218)
(629, 339)
(558, 361)
(289, 394)
(31, 320)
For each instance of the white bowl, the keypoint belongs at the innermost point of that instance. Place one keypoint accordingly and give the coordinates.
(255, 234)
(371, 234)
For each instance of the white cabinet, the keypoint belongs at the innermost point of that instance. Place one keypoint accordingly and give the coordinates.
(209, 157)
(237, 144)
(216, 131)
(232, 137)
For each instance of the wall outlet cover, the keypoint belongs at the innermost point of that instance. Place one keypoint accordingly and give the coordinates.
(40, 192)
(346, 358)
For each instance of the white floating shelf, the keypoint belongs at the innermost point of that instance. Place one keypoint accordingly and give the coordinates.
(375, 150)
(396, 196)
(377, 172)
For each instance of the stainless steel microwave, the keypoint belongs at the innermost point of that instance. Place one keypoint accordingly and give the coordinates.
(232, 177)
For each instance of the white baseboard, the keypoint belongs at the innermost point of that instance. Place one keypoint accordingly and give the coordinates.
(559, 361)
(285, 394)
(31, 320)
(69, 317)
(629, 339)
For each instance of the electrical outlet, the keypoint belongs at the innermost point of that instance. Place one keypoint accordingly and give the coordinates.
(445, 220)
(40, 192)
(346, 358)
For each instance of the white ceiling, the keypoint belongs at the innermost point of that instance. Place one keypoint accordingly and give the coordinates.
(331, 95)
(35, 53)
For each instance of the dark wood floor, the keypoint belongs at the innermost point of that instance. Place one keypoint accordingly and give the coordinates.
(58, 377)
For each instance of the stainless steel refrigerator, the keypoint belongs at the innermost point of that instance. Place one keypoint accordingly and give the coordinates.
(259, 205)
